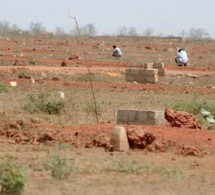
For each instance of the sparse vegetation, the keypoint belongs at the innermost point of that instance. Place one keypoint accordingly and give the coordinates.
(3, 88)
(43, 103)
(93, 77)
(60, 165)
(194, 106)
(82, 164)
(11, 176)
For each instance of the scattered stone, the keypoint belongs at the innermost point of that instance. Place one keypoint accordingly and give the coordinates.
(191, 83)
(55, 78)
(181, 119)
(168, 49)
(139, 138)
(44, 137)
(134, 82)
(147, 47)
(14, 125)
(24, 76)
(88, 145)
(119, 139)
(161, 147)
(36, 120)
(11, 141)
(194, 164)
(192, 76)
(73, 56)
(63, 64)
(15, 63)
(190, 150)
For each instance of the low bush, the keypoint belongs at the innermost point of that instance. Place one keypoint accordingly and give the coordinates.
(3, 88)
(194, 106)
(60, 165)
(11, 177)
(43, 103)
(95, 78)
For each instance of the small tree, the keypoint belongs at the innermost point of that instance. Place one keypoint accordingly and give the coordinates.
(149, 32)
(36, 27)
(59, 31)
(89, 30)
(4, 27)
(122, 31)
(197, 33)
(132, 32)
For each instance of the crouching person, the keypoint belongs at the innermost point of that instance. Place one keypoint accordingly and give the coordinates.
(116, 51)
(181, 58)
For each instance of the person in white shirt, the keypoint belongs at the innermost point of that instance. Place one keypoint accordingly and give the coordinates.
(181, 57)
(116, 51)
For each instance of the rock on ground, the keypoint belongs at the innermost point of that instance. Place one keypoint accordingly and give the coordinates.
(139, 138)
(181, 119)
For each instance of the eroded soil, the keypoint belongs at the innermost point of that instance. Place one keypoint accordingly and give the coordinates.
(169, 171)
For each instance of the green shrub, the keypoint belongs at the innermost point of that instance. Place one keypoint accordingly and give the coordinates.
(89, 107)
(60, 165)
(3, 88)
(93, 77)
(11, 177)
(43, 103)
(125, 166)
(194, 106)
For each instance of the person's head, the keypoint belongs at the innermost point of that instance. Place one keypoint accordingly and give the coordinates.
(181, 49)
(114, 46)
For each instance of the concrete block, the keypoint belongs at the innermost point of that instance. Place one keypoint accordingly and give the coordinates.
(158, 65)
(151, 72)
(127, 71)
(148, 65)
(156, 117)
(119, 139)
(129, 77)
(142, 116)
(142, 71)
(135, 71)
(150, 122)
(126, 116)
(162, 71)
(140, 78)
(152, 79)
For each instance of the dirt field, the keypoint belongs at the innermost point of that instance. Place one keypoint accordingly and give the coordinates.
(69, 133)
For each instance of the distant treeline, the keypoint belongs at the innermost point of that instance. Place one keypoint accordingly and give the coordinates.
(37, 28)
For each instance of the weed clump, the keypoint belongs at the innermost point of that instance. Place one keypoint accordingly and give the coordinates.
(195, 107)
(42, 103)
(3, 88)
(60, 165)
(11, 177)
(92, 77)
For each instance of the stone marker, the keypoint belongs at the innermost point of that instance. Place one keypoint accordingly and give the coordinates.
(119, 139)
(32, 80)
(13, 83)
(62, 95)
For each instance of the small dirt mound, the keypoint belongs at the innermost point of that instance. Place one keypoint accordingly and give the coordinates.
(181, 119)
(139, 138)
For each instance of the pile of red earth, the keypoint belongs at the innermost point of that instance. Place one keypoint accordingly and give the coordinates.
(181, 119)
